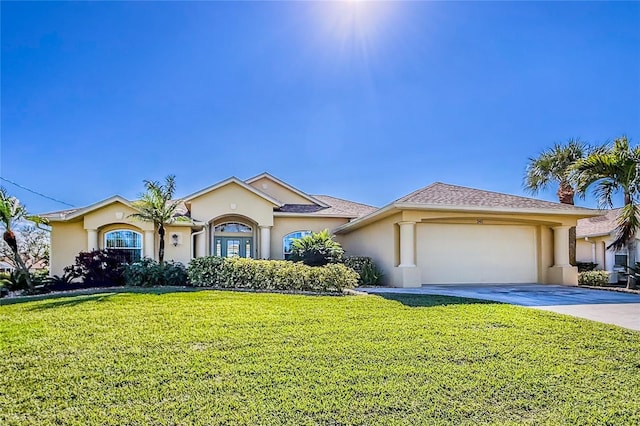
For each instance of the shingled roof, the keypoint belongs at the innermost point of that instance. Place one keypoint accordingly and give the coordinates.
(599, 225)
(342, 206)
(337, 207)
(442, 194)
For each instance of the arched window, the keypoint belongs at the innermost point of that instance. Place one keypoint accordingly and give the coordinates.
(127, 244)
(233, 227)
(286, 242)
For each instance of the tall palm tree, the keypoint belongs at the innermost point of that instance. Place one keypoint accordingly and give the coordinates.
(554, 166)
(613, 169)
(12, 213)
(156, 205)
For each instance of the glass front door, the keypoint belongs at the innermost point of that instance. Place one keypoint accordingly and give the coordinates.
(233, 247)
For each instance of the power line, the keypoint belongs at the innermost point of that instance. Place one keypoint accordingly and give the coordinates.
(35, 192)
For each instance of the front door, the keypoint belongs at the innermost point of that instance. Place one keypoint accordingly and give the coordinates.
(233, 247)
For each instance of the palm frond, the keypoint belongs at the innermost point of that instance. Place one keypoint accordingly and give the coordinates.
(554, 165)
(628, 223)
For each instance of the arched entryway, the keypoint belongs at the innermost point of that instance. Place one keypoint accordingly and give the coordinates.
(233, 236)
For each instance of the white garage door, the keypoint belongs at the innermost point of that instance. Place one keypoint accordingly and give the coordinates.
(456, 254)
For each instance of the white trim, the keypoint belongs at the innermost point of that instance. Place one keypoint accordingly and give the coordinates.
(84, 210)
(305, 232)
(289, 187)
(293, 214)
(141, 248)
(372, 217)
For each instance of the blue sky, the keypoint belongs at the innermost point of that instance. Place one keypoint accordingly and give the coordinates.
(365, 101)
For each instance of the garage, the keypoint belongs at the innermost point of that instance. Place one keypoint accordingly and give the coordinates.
(476, 253)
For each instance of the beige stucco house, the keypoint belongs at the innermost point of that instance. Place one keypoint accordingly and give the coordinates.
(438, 234)
(593, 236)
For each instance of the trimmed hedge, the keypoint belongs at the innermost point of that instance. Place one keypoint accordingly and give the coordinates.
(269, 275)
(369, 273)
(149, 273)
(593, 278)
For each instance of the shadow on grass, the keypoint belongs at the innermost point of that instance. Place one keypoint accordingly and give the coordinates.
(429, 300)
(72, 301)
(76, 296)
(98, 292)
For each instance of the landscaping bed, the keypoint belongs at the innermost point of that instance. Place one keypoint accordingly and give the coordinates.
(218, 357)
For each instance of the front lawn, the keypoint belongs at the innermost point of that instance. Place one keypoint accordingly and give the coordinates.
(213, 357)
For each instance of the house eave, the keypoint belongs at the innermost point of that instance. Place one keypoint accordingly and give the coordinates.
(310, 215)
(84, 210)
(237, 181)
(289, 187)
(578, 212)
(390, 208)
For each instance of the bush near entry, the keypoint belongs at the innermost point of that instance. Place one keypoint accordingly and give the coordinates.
(594, 278)
(269, 275)
(369, 273)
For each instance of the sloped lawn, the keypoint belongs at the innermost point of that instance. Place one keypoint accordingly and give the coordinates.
(240, 358)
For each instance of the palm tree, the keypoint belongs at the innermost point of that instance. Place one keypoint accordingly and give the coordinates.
(613, 169)
(156, 205)
(12, 213)
(554, 166)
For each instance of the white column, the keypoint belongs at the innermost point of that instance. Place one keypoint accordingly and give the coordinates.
(201, 244)
(92, 239)
(561, 245)
(265, 242)
(407, 244)
(149, 242)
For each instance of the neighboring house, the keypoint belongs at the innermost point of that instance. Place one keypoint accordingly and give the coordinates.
(439, 234)
(6, 267)
(593, 236)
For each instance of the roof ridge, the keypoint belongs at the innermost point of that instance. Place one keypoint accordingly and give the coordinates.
(501, 193)
(417, 191)
(344, 199)
(522, 197)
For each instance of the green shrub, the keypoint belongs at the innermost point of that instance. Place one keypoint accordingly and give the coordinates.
(316, 249)
(586, 266)
(269, 275)
(593, 278)
(17, 281)
(97, 268)
(149, 273)
(205, 271)
(366, 268)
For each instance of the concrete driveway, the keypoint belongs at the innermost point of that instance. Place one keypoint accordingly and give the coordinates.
(609, 307)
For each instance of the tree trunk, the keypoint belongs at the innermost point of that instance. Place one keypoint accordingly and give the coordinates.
(572, 246)
(10, 238)
(565, 193)
(631, 247)
(161, 250)
(631, 250)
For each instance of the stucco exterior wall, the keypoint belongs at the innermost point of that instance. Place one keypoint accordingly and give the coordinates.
(584, 250)
(232, 199)
(379, 241)
(278, 191)
(284, 225)
(67, 240)
(114, 213)
(180, 253)
(603, 257)
(545, 250)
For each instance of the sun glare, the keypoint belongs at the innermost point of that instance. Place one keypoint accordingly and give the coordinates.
(356, 24)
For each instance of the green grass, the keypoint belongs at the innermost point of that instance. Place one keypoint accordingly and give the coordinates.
(214, 357)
